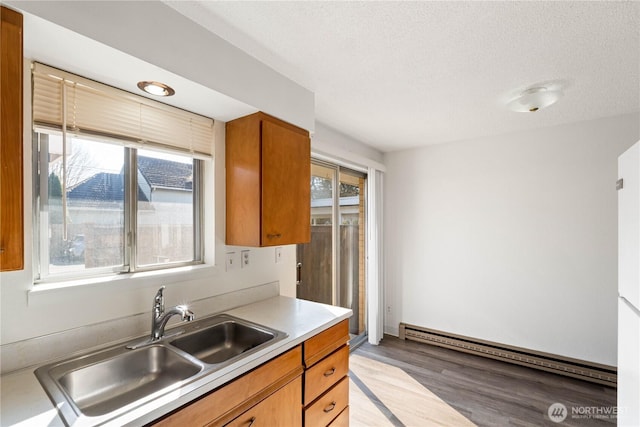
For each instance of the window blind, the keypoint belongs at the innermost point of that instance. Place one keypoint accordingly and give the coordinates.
(96, 108)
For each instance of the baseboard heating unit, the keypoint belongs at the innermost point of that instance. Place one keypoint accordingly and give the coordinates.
(588, 371)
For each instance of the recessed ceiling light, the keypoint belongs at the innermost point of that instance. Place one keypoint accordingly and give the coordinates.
(156, 88)
(534, 99)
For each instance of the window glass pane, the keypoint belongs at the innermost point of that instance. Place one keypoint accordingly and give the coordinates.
(91, 237)
(321, 195)
(350, 198)
(315, 258)
(165, 229)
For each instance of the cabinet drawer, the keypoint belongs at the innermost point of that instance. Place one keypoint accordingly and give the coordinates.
(317, 347)
(232, 399)
(325, 373)
(328, 406)
(342, 420)
(282, 408)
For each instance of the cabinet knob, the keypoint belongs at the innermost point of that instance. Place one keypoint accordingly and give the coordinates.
(274, 236)
(1, 250)
(330, 407)
(251, 421)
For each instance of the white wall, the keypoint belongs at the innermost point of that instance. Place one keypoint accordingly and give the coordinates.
(510, 239)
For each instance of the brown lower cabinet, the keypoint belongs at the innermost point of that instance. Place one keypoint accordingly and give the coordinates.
(232, 400)
(326, 381)
(308, 385)
(279, 409)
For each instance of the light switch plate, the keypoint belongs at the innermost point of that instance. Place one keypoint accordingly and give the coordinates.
(231, 262)
(278, 255)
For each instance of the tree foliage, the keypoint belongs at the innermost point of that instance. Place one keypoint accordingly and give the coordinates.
(321, 188)
(55, 188)
(80, 165)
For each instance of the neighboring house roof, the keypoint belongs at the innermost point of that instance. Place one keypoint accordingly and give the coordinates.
(156, 172)
(102, 187)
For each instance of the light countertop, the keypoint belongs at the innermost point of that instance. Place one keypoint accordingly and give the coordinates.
(24, 402)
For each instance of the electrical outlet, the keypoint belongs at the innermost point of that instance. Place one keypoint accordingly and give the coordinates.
(231, 262)
(244, 259)
(278, 255)
(388, 309)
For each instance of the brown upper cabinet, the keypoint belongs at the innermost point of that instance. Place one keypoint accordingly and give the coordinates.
(11, 181)
(268, 173)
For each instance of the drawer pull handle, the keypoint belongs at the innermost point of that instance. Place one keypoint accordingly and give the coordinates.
(274, 236)
(330, 407)
(251, 421)
(330, 372)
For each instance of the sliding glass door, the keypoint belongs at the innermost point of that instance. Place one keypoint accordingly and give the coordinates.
(331, 268)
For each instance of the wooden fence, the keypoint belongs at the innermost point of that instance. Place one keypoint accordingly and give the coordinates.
(317, 269)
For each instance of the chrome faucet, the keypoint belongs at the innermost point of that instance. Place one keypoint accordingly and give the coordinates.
(159, 317)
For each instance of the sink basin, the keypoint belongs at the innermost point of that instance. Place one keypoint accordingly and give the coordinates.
(104, 386)
(104, 382)
(223, 341)
(99, 386)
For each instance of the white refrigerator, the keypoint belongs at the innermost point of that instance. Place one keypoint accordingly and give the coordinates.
(629, 287)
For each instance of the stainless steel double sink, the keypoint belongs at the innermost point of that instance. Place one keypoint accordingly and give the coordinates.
(107, 383)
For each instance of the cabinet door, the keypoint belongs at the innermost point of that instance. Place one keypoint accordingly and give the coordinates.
(232, 399)
(11, 183)
(286, 175)
(282, 408)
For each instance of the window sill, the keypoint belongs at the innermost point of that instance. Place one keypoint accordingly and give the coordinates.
(41, 291)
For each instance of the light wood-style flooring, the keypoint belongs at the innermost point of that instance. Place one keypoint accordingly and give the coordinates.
(405, 383)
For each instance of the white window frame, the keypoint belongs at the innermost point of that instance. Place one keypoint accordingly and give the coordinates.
(41, 246)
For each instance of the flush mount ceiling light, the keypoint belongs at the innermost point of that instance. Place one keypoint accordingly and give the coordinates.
(534, 99)
(156, 88)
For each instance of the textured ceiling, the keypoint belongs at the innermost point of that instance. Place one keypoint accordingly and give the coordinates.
(396, 75)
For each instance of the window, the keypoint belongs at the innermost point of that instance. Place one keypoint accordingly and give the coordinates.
(114, 194)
